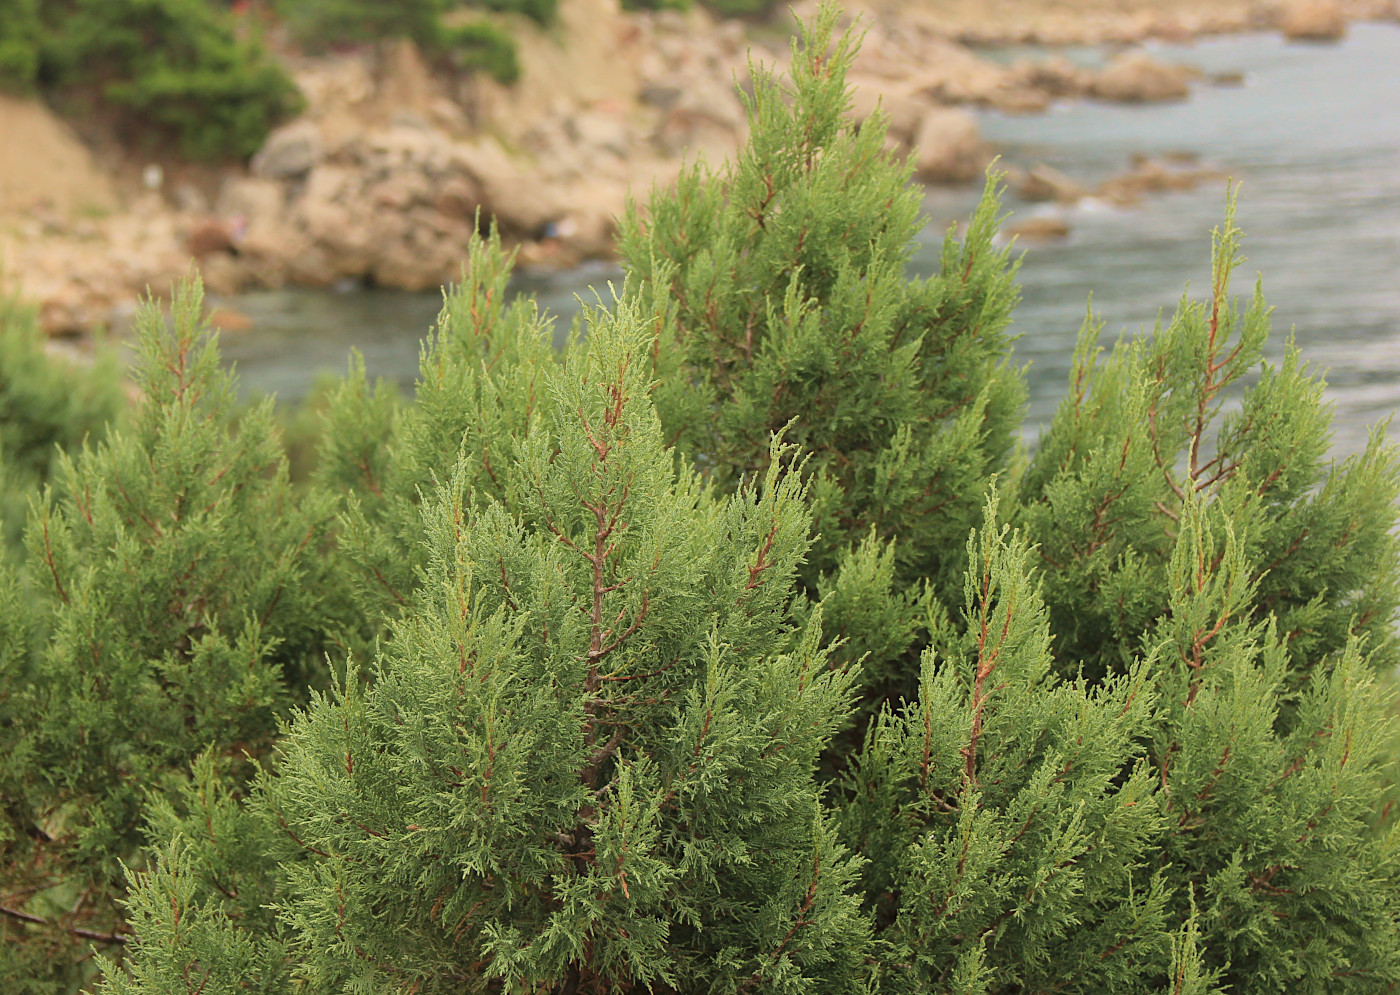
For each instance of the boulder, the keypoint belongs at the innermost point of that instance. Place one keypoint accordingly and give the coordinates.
(1313, 20)
(1046, 183)
(250, 201)
(1055, 77)
(1149, 176)
(518, 202)
(208, 236)
(289, 152)
(904, 112)
(694, 133)
(596, 130)
(949, 147)
(458, 197)
(1137, 78)
(1047, 228)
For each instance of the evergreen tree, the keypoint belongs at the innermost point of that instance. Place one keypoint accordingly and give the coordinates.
(1009, 816)
(586, 762)
(1152, 753)
(1147, 432)
(480, 387)
(782, 301)
(46, 404)
(1226, 763)
(177, 602)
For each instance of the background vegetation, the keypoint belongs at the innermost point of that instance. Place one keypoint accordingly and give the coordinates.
(736, 647)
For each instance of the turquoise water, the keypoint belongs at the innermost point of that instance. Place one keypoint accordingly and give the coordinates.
(1313, 139)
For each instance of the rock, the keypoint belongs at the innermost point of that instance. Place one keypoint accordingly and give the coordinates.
(188, 198)
(208, 236)
(904, 112)
(1056, 77)
(43, 161)
(1040, 229)
(1233, 78)
(250, 201)
(459, 197)
(518, 202)
(662, 95)
(600, 131)
(1136, 78)
(949, 147)
(1046, 183)
(693, 133)
(227, 319)
(63, 314)
(334, 214)
(289, 152)
(1313, 20)
(224, 274)
(1152, 176)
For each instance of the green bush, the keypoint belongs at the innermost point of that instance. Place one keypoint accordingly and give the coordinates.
(176, 601)
(20, 37)
(539, 11)
(1124, 717)
(47, 406)
(321, 24)
(740, 8)
(176, 67)
(481, 45)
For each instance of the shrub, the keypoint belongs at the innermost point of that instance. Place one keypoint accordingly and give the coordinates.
(545, 750)
(782, 302)
(46, 405)
(319, 24)
(481, 45)
(1148, 743)
(177, 602)
(20, 36)
(174, 66)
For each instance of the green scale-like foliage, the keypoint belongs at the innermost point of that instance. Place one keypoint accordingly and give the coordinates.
(586, 760)
(176, 596)
(1020, 852)
(480, 387)
(1269, 792)
(1152, 752)
(46, 405)
(1145, 432)
(781, 298)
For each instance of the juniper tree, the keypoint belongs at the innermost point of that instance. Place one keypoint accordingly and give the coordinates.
(177, 602)
(45, 404)
(1144, 432)
(1009, 815)
(586, 760)
(1221, 752)
(1028, 833)
(782, 300)
(480, 384)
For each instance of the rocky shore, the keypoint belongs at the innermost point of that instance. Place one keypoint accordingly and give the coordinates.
(384, 177)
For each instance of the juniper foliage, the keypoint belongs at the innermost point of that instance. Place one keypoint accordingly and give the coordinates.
(46, 404)
(176, 594)
(782, 301)
(586, 761)
(1152, 751)
(1195, 412)
(480, 386)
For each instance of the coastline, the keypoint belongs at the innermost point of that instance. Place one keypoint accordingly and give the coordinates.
(381, 180)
